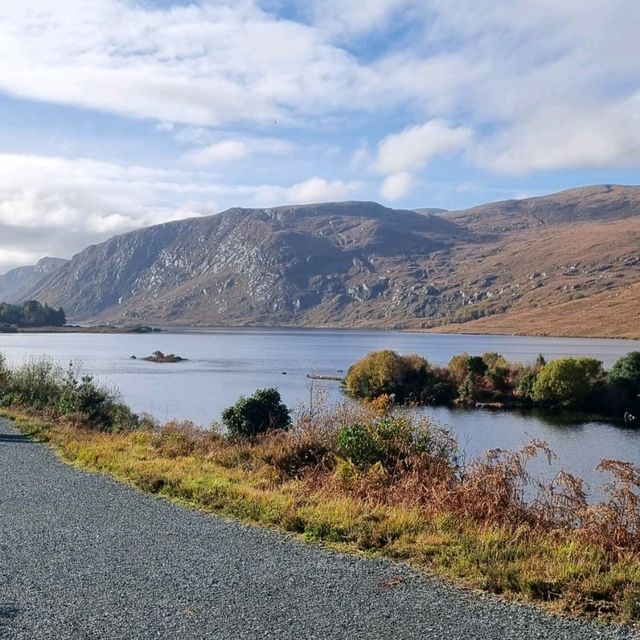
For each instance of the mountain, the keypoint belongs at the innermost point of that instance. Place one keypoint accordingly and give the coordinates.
(16, 282)
(520, 266)
(353, 263)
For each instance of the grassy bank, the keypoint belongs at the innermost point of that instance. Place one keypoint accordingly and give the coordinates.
(469, 524)
(363, 477)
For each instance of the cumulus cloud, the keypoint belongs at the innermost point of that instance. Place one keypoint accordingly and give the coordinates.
(562, 136)
(397, 185)
(201, 64)
(412, 148)
(313, 190)
(230, 150)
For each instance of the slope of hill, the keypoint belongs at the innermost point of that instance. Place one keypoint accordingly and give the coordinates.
(348, 264)
(584, 204)
(610, 314)
(359, 264)
(15, 283)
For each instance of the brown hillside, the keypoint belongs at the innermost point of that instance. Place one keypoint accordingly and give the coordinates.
(613, 314)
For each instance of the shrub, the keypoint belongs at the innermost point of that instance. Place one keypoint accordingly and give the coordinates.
(625, 373)
(359, 444)
(35, 384)
(525, 385)
(257, 414)
(390, 440)
(440, 387)
(407, 378)
(568, 382)
(468, 372)
(385, 372)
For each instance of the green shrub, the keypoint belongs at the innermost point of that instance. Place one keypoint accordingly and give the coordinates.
(35, 384)
(568, 382)
(257, 414)
(626, 372)
(359, 444)
(98, 406)
(390, 440)
(526, 384)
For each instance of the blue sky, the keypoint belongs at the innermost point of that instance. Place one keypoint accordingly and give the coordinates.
(116, 114)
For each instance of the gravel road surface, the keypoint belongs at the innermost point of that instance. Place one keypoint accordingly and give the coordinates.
(82, 556)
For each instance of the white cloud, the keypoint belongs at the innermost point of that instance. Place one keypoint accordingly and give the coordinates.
(397, 185)
(313, 190)
(563, 137)
(199, 64)
(412, 148)
(236, 149)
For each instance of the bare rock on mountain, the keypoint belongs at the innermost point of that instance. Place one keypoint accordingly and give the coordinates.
(353, 262)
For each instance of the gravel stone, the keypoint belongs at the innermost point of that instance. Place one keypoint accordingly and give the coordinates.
(83, 557)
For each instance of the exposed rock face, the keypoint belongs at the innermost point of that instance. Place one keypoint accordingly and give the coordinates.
(313, 264)
(358, 264)
(16, 282)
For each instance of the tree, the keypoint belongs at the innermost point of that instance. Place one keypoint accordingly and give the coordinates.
(624, 383)
(568, 382)
(257, 414)
(626, 371)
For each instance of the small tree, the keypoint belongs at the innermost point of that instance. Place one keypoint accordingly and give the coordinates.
(257, 414)
(568, 381)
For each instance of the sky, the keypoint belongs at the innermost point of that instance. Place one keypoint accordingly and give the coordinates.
(117, 114)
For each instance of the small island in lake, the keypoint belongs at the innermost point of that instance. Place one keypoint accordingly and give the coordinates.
(160, 357)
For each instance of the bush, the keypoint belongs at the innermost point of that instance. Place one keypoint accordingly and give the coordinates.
(40, 385)
(35, 384)
(407, 378)
(259, 413)
(389, 440)
(625, 372)
(568, 382)
(97, 406)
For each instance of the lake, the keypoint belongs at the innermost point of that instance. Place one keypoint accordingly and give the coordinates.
(225, 363)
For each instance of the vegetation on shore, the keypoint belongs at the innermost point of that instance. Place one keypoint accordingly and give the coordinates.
(362, 476)
(29, 314)
(567, 383)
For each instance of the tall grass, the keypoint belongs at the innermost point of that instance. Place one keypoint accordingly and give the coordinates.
(375, 478)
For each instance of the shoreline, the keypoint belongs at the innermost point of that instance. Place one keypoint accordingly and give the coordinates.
(445, 330)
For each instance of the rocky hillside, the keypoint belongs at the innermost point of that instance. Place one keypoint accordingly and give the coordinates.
(350, 263)
(15, 283)
(359, 264)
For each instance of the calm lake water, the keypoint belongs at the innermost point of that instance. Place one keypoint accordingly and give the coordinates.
(223, 364)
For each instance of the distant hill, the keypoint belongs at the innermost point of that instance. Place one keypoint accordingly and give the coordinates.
(15, 283)
(584, 204)
(359, 264)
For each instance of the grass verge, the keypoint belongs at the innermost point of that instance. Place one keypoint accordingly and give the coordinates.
(295, 482)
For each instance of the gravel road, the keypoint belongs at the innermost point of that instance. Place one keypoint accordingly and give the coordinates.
(84, 557)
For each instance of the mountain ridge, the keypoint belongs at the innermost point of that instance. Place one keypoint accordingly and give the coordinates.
(358, 264)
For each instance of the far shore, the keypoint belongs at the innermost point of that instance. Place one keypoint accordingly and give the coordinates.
(91, 329)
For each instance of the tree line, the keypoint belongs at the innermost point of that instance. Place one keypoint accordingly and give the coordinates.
(30, 314)
(571, 383)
